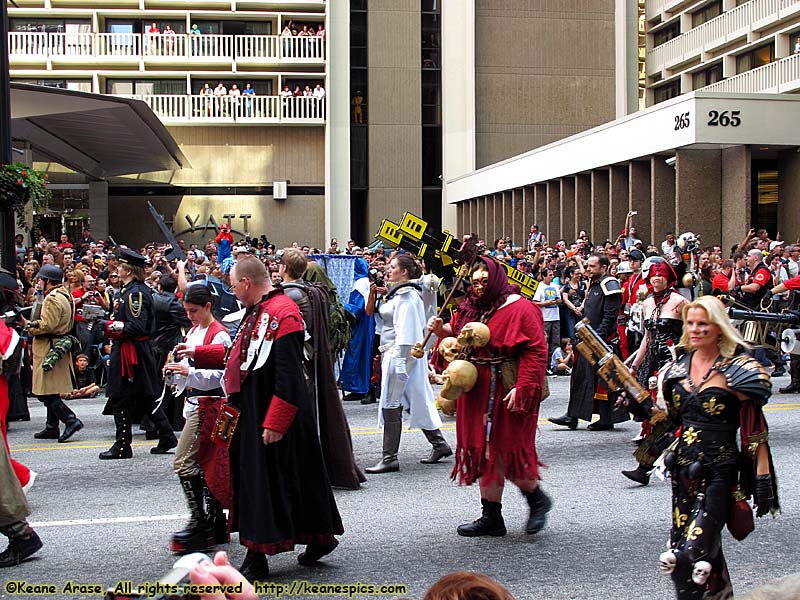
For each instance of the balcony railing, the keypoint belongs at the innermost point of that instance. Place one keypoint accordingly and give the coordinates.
(27, 46)
(195, 109)
(779, 77)
(728, 27)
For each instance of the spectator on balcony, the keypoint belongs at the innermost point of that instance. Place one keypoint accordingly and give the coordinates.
(297, 91)
(358, 112)
(150, 40)
(319, 92)
(308, 92)
(321, 31)
(248, 92)
(235, 94)
(797, 46)
(169, 40)
(220, 104)
(286, 103)
(195, 30)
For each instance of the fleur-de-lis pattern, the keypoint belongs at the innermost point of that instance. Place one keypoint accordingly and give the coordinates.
(679, 518)
(690, 436)
(693, 531)
(712, 407)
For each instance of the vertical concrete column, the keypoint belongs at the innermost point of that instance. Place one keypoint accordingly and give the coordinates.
(459, 219)
(553, 224)
(473, 214)
(736, 196)
(337, 133)
(788, 194)
(662, 199)
(499, 221)
(540, 209)
(583, 203)
(98, 209)
(528, 208)
(568, 209)
(600, 208)
(508, 214)
(618, 199)
(698, 194)
(480, 222)
(520, 233)
(639, 199)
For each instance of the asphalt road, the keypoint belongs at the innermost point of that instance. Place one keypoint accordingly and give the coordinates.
(106, 521)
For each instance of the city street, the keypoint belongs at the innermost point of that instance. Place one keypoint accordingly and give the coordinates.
(106, 521)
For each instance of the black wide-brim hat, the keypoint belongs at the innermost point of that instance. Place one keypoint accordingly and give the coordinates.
(128, 256)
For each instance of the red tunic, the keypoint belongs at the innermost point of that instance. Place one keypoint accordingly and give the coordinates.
(517, 331)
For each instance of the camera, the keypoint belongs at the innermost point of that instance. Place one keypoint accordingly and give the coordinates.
(375, 277)
(169, 587)
(169, 377)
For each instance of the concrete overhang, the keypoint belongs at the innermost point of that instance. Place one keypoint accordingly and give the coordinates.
(695, 120)
(99, 136)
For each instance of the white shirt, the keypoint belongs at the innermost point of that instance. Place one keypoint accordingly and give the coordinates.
(200, 379)
(545, 293)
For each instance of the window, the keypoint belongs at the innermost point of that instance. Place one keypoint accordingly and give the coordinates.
(794, 43)
(50, 25)
(146, 86)
(706, 77)
(755, 58)
(708, 12)
(81, 85)
(662, 36)
(665, 92)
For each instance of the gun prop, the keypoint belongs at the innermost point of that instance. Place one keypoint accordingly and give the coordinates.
(762, 328)
(610, 368)
(176, 251)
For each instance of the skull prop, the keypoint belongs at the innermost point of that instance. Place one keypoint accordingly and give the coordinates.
(701, 571)
(446, 405)
(667, 562)
(449, 348)
(474, 334)
(459, 377)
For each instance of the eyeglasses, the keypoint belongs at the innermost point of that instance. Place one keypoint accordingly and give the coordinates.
(232, 288)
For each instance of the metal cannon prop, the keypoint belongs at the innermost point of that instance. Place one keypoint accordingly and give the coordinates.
(779, 331)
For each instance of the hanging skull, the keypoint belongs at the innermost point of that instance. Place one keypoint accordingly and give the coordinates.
(449, 348)
(667, 562)
(701, 571)
(446, 405)
(474, 334)
(459, 377)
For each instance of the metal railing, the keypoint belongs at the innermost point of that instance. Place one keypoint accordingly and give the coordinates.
(727, 27)
(781, 76)
(25, 45)
(177, 109)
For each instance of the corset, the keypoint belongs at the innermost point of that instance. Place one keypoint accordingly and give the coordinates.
(709, 423)
(663, 333)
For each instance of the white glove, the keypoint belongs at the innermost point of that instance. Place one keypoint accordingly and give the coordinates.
(400, 369)
(117, 326)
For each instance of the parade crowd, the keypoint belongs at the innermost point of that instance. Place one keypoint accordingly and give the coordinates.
(255, 385)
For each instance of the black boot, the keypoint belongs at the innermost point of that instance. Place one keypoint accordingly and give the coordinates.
(640, 475)
(198, 536)
(166, 437)
(50, 431)
(122, 447)
(216, 517)
(392, 429)
(20, 549)
(255, 567)
(794, 383)
(314, 552)
(490, 522)
(440, 448)
(565, 421)
(540, 504)
(72, 424)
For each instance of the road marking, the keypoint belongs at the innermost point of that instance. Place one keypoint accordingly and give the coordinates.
(450, 426)
(108, 521)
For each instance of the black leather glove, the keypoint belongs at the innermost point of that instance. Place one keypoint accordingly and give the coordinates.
(763, 495)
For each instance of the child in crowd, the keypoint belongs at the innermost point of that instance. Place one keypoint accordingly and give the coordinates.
(84, 380)
(561, 362)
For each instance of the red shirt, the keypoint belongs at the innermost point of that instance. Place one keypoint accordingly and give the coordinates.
(720, 282)
(761, 276)
(793, 283)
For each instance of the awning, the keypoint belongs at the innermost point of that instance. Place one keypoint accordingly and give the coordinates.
(100, 136)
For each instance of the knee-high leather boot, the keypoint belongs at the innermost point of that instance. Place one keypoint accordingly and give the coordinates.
(122, 445)
(440, 449)
(392, 429)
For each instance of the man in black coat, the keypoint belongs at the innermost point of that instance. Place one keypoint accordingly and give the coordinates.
(132, 378)
(603, 301)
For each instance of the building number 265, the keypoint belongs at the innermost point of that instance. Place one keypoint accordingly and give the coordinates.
(682, 121)
(724, 118)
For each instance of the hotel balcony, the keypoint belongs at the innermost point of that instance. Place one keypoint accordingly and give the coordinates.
(779, 77)
(740, 23)
(33, 48)
(195, 109)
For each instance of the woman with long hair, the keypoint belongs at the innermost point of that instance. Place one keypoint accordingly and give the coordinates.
(405, 378)
(207, 524)
(663, 327)
(711, 392)
(573, 292)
